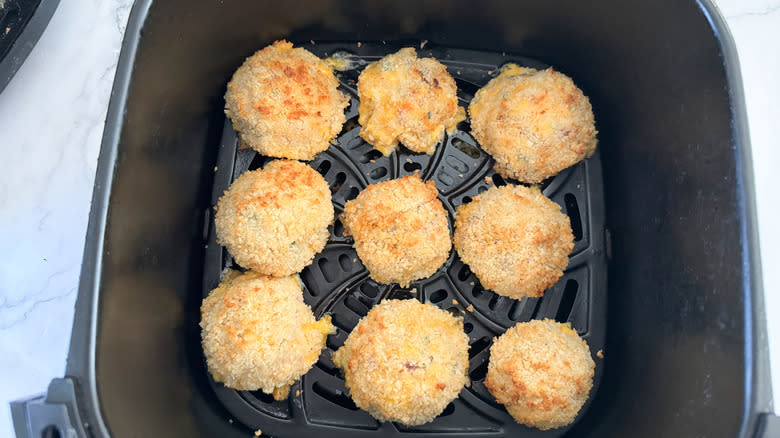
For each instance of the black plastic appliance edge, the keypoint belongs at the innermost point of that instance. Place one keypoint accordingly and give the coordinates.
(72, 407)
(21, 24)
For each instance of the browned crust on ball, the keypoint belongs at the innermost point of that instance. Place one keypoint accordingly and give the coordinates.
(514, 239)
(276, 219)
(405, 361)
(408, 100)
(534, 123)
(400, 229)
(285, 103)
(257, 333)
(542, 372)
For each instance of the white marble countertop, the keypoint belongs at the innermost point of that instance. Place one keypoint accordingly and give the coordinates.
(51, 122)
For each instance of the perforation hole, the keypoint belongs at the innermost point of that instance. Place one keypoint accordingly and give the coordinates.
(263, 397)
(338, 228)
(479, 373)
(466, 199)
(346, 263)
(537, 306)
(449, 410)
(337, 182)
(494, 301)
(438, 296)
(353, 192)
(400, 294)
(324, 167)
(329, 367)
(258, 161)
(51, 431)
(379, 172)
(334, 342)
(478, 345)
(411, 166)
(334, 396)
(370, 156)
(498, 180)
(454, 311)
(468, 327)
(341, 322)
(470, 150)
(573, 210)
(477, 291)
(463, 273)
(516, 311)
(329, 270)
(350, 125)
(567, 301)
(369, 290)
(356, 306)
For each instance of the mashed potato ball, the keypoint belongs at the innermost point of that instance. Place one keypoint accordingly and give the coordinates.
(407, 99)
(534, 123)
(405, 361)
(514, 239)
(257, 333)
(400, 229)
(276, 219)
(542, 372)
(285, 102)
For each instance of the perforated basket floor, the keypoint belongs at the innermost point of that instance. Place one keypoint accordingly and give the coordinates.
(336, 283)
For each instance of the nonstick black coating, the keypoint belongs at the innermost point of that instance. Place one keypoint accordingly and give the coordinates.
(336, 283)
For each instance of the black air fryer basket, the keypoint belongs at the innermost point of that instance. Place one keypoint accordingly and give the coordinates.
(663, 278)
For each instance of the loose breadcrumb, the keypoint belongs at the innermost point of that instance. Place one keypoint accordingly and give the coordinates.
(470, 308)
(600, 354)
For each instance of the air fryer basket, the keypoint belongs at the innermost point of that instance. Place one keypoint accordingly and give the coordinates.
(336, 283)
(684, 339)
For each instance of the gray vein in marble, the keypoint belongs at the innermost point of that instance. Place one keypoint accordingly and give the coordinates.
(6, 303)
(759, 13)
(5, 325)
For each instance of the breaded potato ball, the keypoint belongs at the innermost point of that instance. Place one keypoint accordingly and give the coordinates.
(534, 123)
(285, 103)
(257, 333)
(542, 372)
(400, 229)
(276, 219)
(407, 99)
(514, 239)
(405, 361)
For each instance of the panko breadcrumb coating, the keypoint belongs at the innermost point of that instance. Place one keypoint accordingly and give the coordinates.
(534, 123)
(276, 219)
(257, 333)
(400, 229)
(542, 372)
(407, 99)
(405, 361)
(514, 239)
(285, 103)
